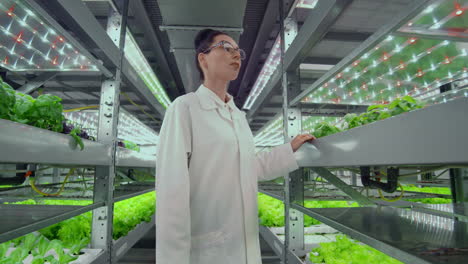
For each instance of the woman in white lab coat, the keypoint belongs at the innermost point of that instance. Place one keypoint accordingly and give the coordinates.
(207, 168)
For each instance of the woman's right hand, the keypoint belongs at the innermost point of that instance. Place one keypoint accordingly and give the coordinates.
(299, 140)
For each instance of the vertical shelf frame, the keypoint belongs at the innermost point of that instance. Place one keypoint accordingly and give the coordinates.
(102, 223)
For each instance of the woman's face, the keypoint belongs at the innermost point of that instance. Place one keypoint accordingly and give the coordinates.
(219, 63)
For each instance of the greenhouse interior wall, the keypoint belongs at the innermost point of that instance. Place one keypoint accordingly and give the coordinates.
(382, 85)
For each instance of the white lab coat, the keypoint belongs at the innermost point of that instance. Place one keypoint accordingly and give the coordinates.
(206, 209)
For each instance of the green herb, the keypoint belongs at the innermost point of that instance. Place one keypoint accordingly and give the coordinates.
(29, 242)
(74, 134)
(4, 248)
(324, 129)
(42, 246)
(75, 249)
(38, 260)
(346, 251)
(374, 113)
(131, 145)
(271, 210)
(45, 111)
(19, 254)
(7, 100)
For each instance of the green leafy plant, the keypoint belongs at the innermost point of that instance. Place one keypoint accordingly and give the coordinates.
(75, 249)
(45, 111)
(74, 233)
(7, 100)
(42, 247)
(324, 129)
(436, 190)
(271, 210)
(38, 260)
(374, 113)
(130, 145)
(3, 249)
(74, 134)
(18, 255)
(347, 251)
(29, 242)
(404, 104)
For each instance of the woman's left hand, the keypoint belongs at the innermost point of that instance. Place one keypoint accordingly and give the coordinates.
(297, 142)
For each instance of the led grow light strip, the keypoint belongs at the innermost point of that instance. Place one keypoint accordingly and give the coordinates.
(274, 140)
(268, 68)
(311, 95)
(429, 9)
(448, 96)
(22, 22)
(436, 84)
(413, 60)
(391, 71)
(129, 128)
(375, 64)
(36, 51)
(369, 53)
(273, 128)
(136, 58)
(438, 23)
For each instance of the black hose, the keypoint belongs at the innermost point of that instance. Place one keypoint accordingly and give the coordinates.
(392, 180)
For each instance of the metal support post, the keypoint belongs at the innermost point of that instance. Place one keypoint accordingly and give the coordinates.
(294, 193)
(459, 184)
(353, 179)
(101, 234)
(294, 182)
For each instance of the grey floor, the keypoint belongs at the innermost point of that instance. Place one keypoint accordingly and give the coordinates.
(144, 252)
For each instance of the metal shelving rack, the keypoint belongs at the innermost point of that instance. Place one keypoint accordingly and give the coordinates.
(409, 232)
(406, 231)
(22, 144)
(409, 235)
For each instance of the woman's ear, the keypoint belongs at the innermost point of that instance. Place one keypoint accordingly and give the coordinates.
(202, 61)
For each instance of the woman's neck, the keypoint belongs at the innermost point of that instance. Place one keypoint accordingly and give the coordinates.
(219, 87)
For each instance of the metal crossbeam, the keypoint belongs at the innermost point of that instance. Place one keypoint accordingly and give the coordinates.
(355, 195)
(36, 82)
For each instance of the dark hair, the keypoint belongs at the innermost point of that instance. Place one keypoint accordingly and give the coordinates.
(203, 41)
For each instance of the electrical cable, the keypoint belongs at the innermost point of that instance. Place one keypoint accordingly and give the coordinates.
(84, 181)
(138, 106)
(392, 200)
(33, 185)
(81, 108)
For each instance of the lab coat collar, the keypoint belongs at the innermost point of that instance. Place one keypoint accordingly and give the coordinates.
(209, 100)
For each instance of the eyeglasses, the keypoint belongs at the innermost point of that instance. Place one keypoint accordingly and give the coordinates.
(227, 47)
